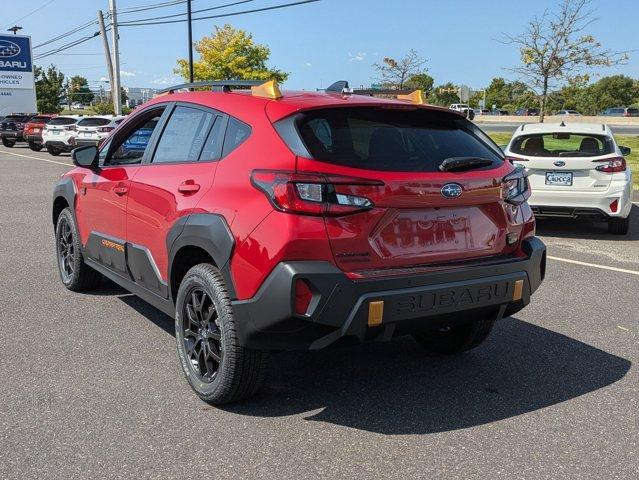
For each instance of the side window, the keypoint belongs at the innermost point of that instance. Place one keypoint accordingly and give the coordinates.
(213, 144)
(129, 148)
(236, 133)
(183, 137)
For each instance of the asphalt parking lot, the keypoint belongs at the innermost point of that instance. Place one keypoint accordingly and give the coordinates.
(91, 385)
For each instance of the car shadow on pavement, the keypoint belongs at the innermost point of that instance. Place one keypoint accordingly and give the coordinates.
(570, 228)
(395, 388)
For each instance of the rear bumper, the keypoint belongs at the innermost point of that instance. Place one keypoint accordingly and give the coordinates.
(11, 134)
(37, 138)
(86, 141)
(341, 307)
(59, 145)
(596, 205)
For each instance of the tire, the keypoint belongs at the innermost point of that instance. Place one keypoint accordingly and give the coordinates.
(455, 339)
(618, 226)
(216, 366)
(76, 275)
(8, 143)
(53, 151)
(36, 147)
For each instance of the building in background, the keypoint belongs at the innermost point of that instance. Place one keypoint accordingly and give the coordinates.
(138, 96)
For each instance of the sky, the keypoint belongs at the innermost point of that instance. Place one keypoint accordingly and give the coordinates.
(319, 43)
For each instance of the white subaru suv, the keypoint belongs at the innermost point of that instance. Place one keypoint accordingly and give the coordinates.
(92, 130)
(59, 134)
(576, 170)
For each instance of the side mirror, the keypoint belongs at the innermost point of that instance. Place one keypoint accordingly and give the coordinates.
(625, 151)
(86, 157)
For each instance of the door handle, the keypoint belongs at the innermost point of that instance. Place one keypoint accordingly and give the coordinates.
(120, 190)
(188, 187)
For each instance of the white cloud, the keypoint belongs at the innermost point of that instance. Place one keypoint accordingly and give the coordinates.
(165, 81)
(104, 79)
(358, 57)
(308, 64)
(124, 73)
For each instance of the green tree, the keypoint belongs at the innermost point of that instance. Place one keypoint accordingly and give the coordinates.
(230, 54)
(78, 90)
(49, 89)
(555, 47)
(395, 74)
(420, 81)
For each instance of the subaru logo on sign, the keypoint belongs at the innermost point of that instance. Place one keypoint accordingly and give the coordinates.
(451, 190)
(559, 163)
(8, 49)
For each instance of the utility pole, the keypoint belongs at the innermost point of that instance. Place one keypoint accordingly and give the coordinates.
(115, 85)
(15, 28)
(188, 14)
(107, 52)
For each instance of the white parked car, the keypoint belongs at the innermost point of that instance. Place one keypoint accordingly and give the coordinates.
(576, 170)
(463, 108)
(91, 130)
(59, 134)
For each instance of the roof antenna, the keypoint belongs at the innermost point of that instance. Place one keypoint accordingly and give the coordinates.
(562, 124)
(340, 86)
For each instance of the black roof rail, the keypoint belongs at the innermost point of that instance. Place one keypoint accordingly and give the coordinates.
(217, 85)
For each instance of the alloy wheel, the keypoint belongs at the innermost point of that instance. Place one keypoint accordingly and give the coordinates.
(202, 337)
(66, 250)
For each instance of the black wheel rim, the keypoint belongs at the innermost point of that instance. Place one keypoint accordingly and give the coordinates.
(201, 335)
(66, 249)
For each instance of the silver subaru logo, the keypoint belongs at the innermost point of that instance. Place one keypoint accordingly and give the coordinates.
(559, 163)
(8, 49)
(451, 190)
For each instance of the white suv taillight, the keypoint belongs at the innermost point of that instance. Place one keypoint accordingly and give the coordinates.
(613, 165)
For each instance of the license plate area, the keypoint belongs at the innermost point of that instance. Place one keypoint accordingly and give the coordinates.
(563, 179)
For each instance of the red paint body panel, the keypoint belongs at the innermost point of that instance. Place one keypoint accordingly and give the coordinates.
(410, 225)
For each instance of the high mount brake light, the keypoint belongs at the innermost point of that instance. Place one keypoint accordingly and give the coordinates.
(313, 194)
(613, 165)
(515, 187)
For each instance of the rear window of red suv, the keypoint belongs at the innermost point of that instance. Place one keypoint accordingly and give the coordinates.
(387, 139)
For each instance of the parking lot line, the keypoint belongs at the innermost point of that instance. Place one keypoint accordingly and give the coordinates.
(37, 158)
(595, 265)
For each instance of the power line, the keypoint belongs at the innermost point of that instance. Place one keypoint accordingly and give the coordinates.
(66, 46)
(194, 11)
(66, 34)
(141, 8)
(33, 11)
(243, 12)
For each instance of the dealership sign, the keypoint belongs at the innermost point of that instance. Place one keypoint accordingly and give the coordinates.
(17, 86)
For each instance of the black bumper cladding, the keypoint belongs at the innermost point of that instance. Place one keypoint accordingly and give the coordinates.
(342, 307)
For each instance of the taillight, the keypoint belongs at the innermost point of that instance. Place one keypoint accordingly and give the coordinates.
(515, 187)
(105, 129)
(616, 164)
(313, 194)
(73, 128)
(303, 296)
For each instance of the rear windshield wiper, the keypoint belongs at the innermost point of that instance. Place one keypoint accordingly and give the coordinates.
(457, 164)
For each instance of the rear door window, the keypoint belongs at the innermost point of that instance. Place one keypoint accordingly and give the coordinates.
(390, 139)
(184, 135)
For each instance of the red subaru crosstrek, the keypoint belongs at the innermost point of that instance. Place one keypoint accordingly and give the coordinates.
(265, 222)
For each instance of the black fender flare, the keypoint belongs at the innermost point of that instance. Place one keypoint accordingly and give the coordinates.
(65, 188)
(211, 233)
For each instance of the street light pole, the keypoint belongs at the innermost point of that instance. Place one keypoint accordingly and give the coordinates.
(190, 34)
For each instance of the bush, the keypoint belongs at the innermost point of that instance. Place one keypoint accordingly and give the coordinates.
(103, 108)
